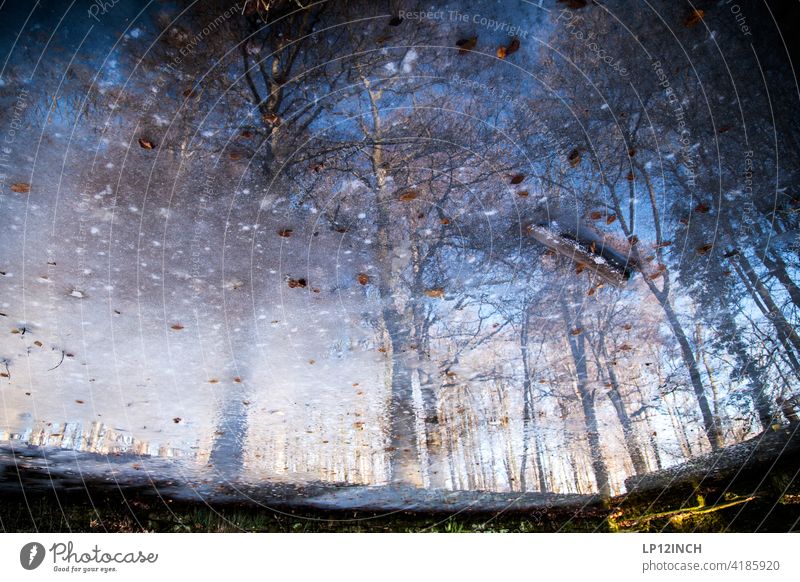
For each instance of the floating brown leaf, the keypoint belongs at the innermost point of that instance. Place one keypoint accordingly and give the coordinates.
(694, 18)
(146, 143)
(596, 215)
(237, 379)
(629, 177)
(522, 193)
(505, 51)
(436, 292)
(702, 208)
(21, 187)
(627, 326)
(664, 244)
(363, 278)
(704, 249)
(625, 347)
(574, 157)
(611, 218)
(633, 239)
(466, 44)
(409, 195)
(579, 268)
(631, 152)
(517, 179)
(444, 221)
(297, 283)
(285, 233)
(176, 327)
(79, 402)
(724, 129)
(246, 134)
(577, 331)
(177, 419)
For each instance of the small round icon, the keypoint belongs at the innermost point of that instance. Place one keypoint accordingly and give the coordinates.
(31, 555)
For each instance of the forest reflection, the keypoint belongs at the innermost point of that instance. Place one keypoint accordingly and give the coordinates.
(340, 248)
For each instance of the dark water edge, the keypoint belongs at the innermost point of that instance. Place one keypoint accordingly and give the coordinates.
(748, 487)
(139, 512)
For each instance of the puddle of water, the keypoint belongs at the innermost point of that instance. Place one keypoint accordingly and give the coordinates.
(192, 310)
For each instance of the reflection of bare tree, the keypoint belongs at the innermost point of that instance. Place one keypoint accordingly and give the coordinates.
(573, 323)
(227, 451)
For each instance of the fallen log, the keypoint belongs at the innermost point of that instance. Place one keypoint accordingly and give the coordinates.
(593, 256)
(760, 455)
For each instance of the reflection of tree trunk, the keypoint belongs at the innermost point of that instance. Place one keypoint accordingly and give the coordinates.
(748, 368)
(775, 315)
(570, 451)
(577, 346)
(709, 422)
(761, 401)
(680, 430)
(702, 355)
(503, 433)
(653, 441)
(663, 297)
(618, 402)
(783, 338)
(434, 444)
(227, 450)
(529, 424)
(777, 267)
(404, 463)
(628, 431)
